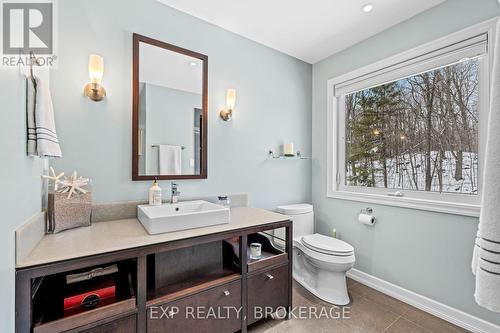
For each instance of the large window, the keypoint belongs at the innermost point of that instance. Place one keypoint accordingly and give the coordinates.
(418, 133)
(410, 130)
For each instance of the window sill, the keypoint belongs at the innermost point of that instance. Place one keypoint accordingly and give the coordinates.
(412, 203)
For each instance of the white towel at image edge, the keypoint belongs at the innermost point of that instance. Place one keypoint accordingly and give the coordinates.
(170, 159)
(42, 135)
(486, 257)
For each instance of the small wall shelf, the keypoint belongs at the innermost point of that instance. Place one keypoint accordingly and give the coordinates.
(297, 156)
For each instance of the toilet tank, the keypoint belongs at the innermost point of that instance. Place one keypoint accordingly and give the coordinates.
(303, 219)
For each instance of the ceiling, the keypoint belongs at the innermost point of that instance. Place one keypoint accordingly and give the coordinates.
(308, 30)
(169, 69)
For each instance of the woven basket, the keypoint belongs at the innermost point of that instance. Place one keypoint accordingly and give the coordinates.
(64, 213)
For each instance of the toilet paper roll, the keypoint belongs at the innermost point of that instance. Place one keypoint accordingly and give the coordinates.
(366, 219)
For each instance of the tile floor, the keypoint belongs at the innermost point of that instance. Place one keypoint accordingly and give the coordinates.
(369, 311)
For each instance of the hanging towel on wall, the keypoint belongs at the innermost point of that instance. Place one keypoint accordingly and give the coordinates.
(30, 117)
(42, 135)
(486, 258)
(170, 160)
(46, 136)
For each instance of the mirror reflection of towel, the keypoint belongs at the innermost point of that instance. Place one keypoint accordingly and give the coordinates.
(170, 160)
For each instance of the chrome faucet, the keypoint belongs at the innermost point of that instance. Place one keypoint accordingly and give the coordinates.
(174, 193)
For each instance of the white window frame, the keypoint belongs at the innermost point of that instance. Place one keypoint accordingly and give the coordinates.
(389, 70)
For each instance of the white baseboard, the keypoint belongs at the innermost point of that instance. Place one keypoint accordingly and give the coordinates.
(426, 304)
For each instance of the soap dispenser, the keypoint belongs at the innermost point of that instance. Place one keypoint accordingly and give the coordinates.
(155, 194)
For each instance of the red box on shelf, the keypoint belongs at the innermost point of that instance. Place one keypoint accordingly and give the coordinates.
(104, 294)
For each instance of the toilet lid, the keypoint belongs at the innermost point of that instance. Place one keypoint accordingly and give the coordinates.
(327, 245)
(295, 209)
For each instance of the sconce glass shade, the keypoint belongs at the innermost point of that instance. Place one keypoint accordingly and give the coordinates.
(231, 98)
(96, 68)
(94, 90)
(227, 114)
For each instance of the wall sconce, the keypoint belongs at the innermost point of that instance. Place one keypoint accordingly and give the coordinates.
(94, 90)
(226, 114)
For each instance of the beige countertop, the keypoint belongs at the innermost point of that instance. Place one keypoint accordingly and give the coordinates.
(104, 237)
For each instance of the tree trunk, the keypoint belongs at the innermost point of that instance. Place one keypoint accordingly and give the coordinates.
(353, 172)
(372, 170)
(428, 174)
(440, 171)
(459, 161)
(384, 158)
(429, 103)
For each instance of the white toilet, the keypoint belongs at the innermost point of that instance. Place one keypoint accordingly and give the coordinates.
(320, 262)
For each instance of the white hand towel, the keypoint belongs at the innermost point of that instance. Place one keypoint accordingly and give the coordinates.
(486, 258)
(30, 117)
(47, 141)
(170, 159)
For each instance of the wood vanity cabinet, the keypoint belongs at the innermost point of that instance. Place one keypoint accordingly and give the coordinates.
(201, 284)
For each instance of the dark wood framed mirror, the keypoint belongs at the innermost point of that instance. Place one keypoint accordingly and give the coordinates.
(169, 111)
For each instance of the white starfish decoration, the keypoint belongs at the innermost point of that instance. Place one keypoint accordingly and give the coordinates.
(70, 185)
(54, 178)
(74, 184)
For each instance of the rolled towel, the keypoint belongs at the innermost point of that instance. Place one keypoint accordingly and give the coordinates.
(46, 135)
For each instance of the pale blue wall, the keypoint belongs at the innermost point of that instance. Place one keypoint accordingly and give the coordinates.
(169, 120)
(273, 103)
(425, 252)
(20, 197)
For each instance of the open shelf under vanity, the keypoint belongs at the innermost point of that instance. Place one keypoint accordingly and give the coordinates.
(185, 271)
(272, 252)
(58, 302)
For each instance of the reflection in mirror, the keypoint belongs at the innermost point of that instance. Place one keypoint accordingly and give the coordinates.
(170, 118)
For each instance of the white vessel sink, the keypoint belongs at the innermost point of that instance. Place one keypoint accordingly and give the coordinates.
(181, 216)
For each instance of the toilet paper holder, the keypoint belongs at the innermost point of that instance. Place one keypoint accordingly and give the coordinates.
(367, 210)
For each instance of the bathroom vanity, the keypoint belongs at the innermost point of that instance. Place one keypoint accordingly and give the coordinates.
(163, 280)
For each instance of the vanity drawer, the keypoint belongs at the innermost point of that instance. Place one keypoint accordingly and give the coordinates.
(224, 302)
(124, 325)
(268, 289)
